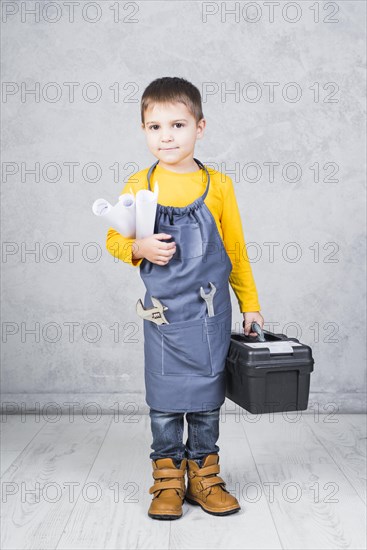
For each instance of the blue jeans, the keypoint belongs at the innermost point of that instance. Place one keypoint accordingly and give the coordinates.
(167, 430)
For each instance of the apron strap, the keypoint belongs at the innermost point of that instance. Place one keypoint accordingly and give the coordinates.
(198, 162)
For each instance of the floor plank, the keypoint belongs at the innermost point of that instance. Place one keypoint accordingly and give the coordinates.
(300, 480)
(314, 504)
(16, 432)
(37, 492)
(345, 441)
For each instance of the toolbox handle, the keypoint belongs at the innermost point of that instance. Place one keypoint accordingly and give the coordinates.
(255, 327)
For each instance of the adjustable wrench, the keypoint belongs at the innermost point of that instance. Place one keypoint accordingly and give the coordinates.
(154, 314)
(209, 298)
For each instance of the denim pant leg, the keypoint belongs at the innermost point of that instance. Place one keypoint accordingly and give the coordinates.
(167, 431)
(203, 433)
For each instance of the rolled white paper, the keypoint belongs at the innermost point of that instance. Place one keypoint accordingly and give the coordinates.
(146, 207)
(132, 217)
(121, 217)
(101, 207)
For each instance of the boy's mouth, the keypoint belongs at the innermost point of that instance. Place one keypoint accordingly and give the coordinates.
(168, 149)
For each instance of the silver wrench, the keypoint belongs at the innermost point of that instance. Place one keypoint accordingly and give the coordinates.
(154, 314)
(209, 298)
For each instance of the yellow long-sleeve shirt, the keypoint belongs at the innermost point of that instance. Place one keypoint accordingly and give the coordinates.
(182, 189)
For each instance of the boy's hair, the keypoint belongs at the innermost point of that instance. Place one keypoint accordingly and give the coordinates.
(170, 89)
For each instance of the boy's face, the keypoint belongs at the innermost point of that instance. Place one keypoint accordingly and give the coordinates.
(171, 132)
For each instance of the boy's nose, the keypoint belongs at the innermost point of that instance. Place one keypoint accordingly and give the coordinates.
(166, 135)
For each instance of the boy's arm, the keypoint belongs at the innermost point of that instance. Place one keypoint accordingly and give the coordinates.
(241, 277)
(121, 247)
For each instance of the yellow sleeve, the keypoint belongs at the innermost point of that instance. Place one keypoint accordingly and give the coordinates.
(241, 278)
(119, 246)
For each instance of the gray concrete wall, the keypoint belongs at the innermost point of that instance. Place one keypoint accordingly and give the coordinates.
(286, 88)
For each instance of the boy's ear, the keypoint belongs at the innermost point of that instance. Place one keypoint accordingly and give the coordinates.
(201, 125)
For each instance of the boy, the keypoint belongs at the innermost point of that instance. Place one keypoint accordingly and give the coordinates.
(186, 265)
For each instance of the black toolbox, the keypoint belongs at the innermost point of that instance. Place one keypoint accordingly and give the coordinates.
(266, 376)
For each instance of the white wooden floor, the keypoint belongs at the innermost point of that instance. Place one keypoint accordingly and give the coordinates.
(300, 480)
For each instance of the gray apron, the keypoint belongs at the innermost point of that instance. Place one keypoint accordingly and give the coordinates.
(185, 359)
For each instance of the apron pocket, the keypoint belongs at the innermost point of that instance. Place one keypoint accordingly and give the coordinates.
(185, 348)
(197, 347)
(187, 237)
(219, 338)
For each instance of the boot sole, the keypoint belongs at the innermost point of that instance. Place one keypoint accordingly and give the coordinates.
(164, 516)
(226, 513)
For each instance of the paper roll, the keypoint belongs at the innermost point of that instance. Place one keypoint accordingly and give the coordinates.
(146, 207)
(121, 217)
(131, 217)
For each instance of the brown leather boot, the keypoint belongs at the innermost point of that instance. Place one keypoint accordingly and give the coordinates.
(207, 489)
(169, 489)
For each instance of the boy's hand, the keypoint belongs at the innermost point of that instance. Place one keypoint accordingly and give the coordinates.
(248, 318)
(153, 249)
